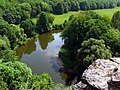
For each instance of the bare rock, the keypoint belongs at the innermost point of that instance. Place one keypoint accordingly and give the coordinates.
(80, 86)
(117, 60)
(115, 81)
(101, 75)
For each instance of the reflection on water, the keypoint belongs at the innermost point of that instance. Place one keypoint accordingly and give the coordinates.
(28, 48)
(44, 39)
(41, 55)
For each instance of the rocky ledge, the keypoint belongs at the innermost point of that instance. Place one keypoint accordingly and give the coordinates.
(101, 75)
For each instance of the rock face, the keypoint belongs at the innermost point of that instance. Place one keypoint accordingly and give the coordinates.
(101, 75)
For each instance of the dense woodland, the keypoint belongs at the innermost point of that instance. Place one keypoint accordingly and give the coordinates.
(87, 37)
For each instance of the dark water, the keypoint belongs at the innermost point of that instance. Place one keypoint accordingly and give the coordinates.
(41, 55)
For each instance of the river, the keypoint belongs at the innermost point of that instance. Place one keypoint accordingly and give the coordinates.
(41, 55)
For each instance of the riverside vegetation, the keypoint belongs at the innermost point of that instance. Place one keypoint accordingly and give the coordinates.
(87, 36)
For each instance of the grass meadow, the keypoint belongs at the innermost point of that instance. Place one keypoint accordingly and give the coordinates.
(59, 19)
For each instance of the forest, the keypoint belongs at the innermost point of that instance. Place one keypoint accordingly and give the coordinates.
(87, 36)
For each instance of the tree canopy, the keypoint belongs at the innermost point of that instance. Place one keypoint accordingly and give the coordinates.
(91, 50)
(116, 20)
(88, 37)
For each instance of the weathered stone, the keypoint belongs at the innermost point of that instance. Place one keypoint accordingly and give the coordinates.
(115, 80)
(101, 75)
(80, 86)
(117, 60)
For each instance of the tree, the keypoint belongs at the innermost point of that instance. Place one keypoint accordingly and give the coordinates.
(45, 7)
(83, 5)
(43, 82)
(75, 6)
(13, 14)
(25, 10)
(29, 27)
(42, 23)
(4, 43)
(15, 74)
(116, 20)
(15, 35)
(95, 31)
(3, 85)
(8, 55)
(66, 7)
(91, 50)
(50, 18)
(112, 39)
(5, 53)
(36, 9)
(80, 28)
(58, 8)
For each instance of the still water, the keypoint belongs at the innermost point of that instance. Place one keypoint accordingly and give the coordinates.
(41, 55)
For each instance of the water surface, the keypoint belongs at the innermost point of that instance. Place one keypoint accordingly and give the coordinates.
(41, 55)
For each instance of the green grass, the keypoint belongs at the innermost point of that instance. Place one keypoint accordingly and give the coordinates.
(59, 19)
(107, 12)
(34, 20)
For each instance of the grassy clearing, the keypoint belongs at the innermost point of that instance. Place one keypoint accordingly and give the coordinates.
(59, 19)
(34, 20)
(107, 12)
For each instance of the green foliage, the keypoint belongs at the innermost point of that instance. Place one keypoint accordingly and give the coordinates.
(43, 82)
(93, 4)
(91, 50)
(29, 27)
(86, 25)
(58, 27)
(45, 7)
(75, 6)
(58, 9)
(59, 19)
(80, 28)
(43, 23)
(8, 55)
(26, 7)
(14, 73)
(12, 14)
(66, 7)
(64, 54)
(4, 43)
(25, 11)
(15, 35)
(36, 9)
(112, 39)
(3, 85)
(97, 29)
(50, 18)
(116, 20)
